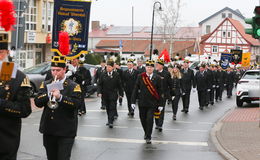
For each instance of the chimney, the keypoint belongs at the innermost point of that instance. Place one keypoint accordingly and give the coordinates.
(95, 25)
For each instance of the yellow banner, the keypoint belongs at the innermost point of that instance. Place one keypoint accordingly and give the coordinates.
(246, 59)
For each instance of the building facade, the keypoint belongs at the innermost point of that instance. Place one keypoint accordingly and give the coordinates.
(229, 35)
(210, 23)
(37, 36)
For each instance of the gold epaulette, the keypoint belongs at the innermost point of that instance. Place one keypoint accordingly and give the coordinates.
(42, 85)
(77, 88)
(26, 82)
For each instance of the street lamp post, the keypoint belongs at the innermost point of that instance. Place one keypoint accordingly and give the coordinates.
(151, 45)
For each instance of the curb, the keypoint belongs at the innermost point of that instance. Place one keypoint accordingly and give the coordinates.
(213, 135)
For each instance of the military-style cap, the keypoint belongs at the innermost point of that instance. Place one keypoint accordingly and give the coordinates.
(130, 60)
(186, 61)
(160, 61)
(150, 63)
(58, 61)
(110, 63)
(3, 41)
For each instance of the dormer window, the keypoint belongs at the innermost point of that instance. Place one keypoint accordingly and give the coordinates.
(230, 15)
(223, 15)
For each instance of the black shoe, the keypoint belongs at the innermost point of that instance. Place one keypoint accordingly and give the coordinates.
(107, 124)
(220, 99)
(160, 129)
(157, 127)
(186, 111)
(120, 104)
(228, 96)
(115, 117)
(148, 141)
(201, 108)
(212, 103)
(216, 100)
(174, 117)
(110, 125)
(183, 110)
(103, 107)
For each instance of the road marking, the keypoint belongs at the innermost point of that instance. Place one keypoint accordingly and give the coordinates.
(99, 110)
(121, 140)
(205, 123)
(193, 130)
(187, 122)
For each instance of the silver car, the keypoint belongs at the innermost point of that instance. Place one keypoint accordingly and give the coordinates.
(37, 75)
(248, 88)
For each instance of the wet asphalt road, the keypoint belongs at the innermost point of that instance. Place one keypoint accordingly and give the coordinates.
(185, 139)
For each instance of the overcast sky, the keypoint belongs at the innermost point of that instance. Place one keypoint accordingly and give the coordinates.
(119, 12)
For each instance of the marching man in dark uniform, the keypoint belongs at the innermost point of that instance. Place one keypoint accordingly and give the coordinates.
(210, 77)
(129, 79)
(166, 88)
(201, 82)
(148, 88)
(140, 67)
(220, 78)
(99, 72)
(14, 105)
(187, 83)
(59, 119)
(110, 88)
(229, 82)
(81, 76)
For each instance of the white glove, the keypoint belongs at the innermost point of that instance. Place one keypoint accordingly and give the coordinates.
(217, 86)
(183, 93)
(95, 84)
(193, 90)
(133, 106)
(208, 90)
(173, 97)
(160, 108)
(213, 86)
(83, 82)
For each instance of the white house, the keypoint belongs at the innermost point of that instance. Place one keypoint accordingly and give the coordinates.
(229, 34)
(210, 23)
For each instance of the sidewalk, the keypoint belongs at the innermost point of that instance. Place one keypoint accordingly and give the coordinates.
(237, 134)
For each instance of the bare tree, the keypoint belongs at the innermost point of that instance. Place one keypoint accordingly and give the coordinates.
(168, 20)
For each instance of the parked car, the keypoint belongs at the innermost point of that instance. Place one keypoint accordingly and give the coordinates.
(37, 75)
(248, 87)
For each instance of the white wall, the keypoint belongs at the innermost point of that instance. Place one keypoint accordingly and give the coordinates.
(216, 20)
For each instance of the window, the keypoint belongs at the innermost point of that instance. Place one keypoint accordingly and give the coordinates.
(224, 34)
(30, 15)
(207, 29)
(47, 17)
(228, 34)
(223, 15)
(214, 49)
(230, 15)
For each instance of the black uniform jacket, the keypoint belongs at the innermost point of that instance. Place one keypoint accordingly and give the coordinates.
(98, 74)
(146, 99)
(14, 105)
(63, 120)
(230, 78)
(129, 80)
(110, 86)
(187, 80)
(81, 75)
(166, 82)
(201, 81)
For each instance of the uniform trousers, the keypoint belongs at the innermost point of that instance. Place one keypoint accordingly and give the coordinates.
(128, 96)
(111, 109)
(146, 116)
(186, 100)
(159, 121)
(202, 95)
(229, 89)
(58, 148)
(175, 103)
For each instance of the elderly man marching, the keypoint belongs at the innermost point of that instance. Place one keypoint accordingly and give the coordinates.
(148, 88)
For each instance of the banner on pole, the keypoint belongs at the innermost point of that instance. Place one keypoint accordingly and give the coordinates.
(246, 57)
(225, 59)
(71, 16)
